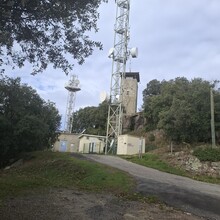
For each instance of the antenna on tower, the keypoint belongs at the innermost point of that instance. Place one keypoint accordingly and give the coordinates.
(73, 86)
(119, 54)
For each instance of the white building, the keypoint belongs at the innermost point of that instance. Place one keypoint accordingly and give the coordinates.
(91, 143)
(67, 143)
(130, 145)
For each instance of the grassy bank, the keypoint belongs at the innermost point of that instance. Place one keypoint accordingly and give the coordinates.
(154, 161)
(48, 169)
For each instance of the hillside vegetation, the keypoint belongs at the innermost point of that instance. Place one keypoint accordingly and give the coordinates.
(45, 170)
(27, 122)
(161, 161)
(181, 108)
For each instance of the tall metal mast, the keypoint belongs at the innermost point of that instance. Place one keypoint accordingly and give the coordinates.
(72, 86)
(119, 55)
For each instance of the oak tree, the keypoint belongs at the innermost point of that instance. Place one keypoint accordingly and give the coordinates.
(27, 122)
(42, 32)
(91, 118)
(181, 108)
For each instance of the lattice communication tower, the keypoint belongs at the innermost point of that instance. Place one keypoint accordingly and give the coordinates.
(119, 55)
(72, 86)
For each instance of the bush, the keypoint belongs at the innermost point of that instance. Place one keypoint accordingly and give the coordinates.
(150, 148)
(207, 154)
(151, 137)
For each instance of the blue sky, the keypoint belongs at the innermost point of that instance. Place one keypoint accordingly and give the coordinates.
(174, 38)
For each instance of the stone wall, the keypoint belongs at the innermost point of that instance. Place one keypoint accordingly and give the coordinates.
(191, 163)
(133, 122)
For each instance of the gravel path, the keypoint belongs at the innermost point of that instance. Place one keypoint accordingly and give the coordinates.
(202, 199)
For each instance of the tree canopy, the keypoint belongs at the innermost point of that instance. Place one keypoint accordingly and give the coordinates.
(42, 32)
(93, 119)
(181, 108)
(27, 122)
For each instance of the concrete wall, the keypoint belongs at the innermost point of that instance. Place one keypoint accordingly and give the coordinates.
(67, 143)
(130, 145)
(130, 91)
(91, 144)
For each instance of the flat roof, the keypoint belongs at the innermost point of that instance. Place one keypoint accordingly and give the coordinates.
(92, 135)
(134, 75)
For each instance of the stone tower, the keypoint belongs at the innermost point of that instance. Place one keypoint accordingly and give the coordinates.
(130, 92)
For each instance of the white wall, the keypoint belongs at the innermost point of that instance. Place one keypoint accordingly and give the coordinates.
(67, 143)
(130, 145)
(88, 144)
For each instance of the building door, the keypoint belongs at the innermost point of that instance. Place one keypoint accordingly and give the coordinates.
(72, 148)
(63, 146)
(92, 148)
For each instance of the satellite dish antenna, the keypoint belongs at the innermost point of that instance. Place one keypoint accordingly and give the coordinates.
(77, 82)
(134, 52)
(111, 52)
(103, 96)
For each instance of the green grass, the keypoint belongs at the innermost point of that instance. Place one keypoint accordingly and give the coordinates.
(154, 161)
(50, 169)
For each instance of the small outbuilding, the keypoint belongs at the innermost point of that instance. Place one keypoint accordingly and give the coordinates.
(91, 143)
(130, 145)
(67, 143)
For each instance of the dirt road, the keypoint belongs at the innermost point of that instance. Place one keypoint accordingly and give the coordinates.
(202, 199)
(63, 204)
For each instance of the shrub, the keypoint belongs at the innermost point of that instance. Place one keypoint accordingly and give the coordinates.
(150, 148)
(151, 137)
(207, 154)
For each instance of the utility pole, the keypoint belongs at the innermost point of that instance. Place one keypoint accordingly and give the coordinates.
(212, 118)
